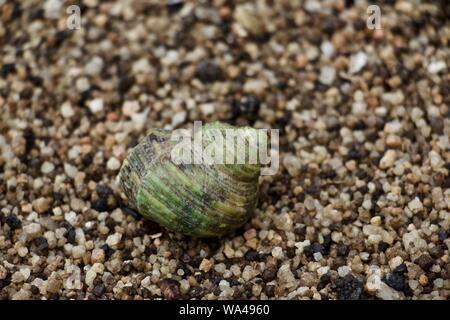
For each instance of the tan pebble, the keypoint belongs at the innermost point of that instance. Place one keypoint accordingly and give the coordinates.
(41, 205)
(351, 165)
(205, 265)
(85, 140)
(109, 142)
(92, 185)
(252, 243)
(338, 40)
(112, 116)
(98, 256)
(298, 190)
(376, 221)
(438, 99)
(394, 81)
(393, 141)
(233, 71)
(26, 208)
(378, 34)
(225, 12)
(372, 102)
(86, 148)
(53, 284)
(404, 6)
(388, 159)
(101, 20)
(301, 61)
(411, 178)
(423, 280)
(250, 234)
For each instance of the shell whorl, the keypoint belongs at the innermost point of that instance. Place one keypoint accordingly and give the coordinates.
(194, 199)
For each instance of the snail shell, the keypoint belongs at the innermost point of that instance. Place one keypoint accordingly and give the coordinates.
(194, 199)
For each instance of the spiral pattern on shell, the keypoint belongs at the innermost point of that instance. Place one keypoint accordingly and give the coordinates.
(194, 199)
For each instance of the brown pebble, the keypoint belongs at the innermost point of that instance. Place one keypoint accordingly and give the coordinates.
(85, 140)
(372, 102)
(425, 262)
(301, 61)
(112, 116)
(170, 289)
(269, 274)
(250, 234)
(393, 141)
(423, 280)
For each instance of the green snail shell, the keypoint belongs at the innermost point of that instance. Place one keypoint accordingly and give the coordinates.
(194, 199)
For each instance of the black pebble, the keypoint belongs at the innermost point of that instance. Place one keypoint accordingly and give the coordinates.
(41, 244)
(129, 211)
(300, 231)
(354, 153)
(196, 292)
(442, 234)
(329, 174)
(347, 288)
(108, 251)
(103, 190)
(269, 274)
(7, 68)
(208, 71)
(270, 290)
(98, 290)
(34, 289)
(247, 106)
(395, 281)
(301, 197)
(60, 36)
(383, 246)
(5, 282)
(251, 255)
(70, 235)
(125, 83)
(361, 174)
(437, 252)
(446, 183)
(328, 26)
(317, 247)
(312, 190)
(149, 250)
(100, 205)
(314, 248)
(174, 5)
(35, 80)
(53, 296)
(327, 242)
(185, 268)
(58, 198)
(290, 252)
(425, 262)
(401, 268)
(342, 250)
(324, 281)
(30, 139)
(13, 221)
(359, 24)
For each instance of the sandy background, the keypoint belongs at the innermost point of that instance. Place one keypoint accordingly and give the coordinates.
(359, 209)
